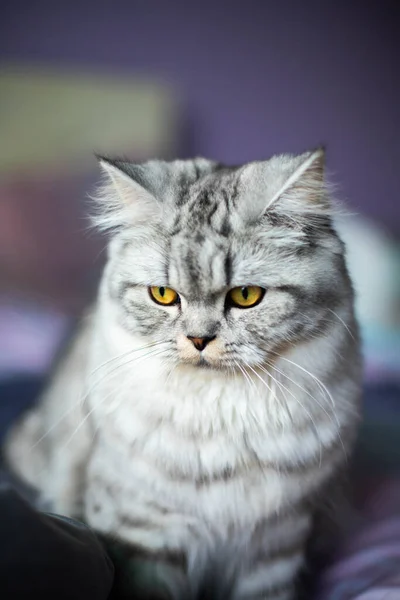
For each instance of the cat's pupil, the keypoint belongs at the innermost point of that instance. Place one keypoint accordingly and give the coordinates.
(245, 293)
(162, 291)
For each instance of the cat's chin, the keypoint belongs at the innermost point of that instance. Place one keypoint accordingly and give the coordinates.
(203, 363)
(200, 363)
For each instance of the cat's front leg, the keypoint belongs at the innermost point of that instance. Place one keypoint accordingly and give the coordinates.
(278, 549)
(50, 455)
(273, 580)
(49, 447)
(64, 484)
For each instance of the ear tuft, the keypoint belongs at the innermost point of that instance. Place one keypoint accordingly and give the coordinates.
(304, 188)
(122, 199)
(285, 185)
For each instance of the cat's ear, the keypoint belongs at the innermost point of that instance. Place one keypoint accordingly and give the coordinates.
(128, 194)
(293, 185)
(304, 189)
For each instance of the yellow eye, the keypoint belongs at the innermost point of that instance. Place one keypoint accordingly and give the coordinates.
(245, 297)
(164, 295)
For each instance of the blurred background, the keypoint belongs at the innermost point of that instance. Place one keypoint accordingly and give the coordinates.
(233, 81)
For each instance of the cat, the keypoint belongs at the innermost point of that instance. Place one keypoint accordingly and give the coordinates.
(211, 397)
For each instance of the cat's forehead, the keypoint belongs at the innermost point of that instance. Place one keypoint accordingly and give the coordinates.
(209, 248)
(205, 207)
(199, 263)
(199, 260)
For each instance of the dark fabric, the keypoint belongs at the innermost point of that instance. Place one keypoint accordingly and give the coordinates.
(48, 557)
(16, 395)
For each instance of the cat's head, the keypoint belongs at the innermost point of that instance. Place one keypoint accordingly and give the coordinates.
(229, 266)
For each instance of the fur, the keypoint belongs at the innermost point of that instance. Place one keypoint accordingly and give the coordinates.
(220, 457)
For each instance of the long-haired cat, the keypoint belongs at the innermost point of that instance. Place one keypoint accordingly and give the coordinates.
(211, 397)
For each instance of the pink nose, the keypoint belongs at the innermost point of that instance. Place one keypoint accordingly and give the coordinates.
(200, 342)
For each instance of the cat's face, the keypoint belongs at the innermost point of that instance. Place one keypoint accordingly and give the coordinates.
(205, 263)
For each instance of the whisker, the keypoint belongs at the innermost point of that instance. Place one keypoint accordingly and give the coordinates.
(313, 423)
(170, 374)
(300, 387)
(321, 385)
(248, 406)
(114, 370)
(284, 404)
(118, 356)
(245, 375)
(343, 323)
(58, 422)
(64, 446)
(324, 389)
(274, 396)
(259, 377)
(81, 400)
(140, 359)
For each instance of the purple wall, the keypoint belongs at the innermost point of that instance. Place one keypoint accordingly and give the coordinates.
(256, 77)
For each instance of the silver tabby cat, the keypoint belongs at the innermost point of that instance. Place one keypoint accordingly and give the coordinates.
(211, 397)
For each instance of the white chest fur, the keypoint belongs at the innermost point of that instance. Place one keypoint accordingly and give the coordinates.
(204, 446)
